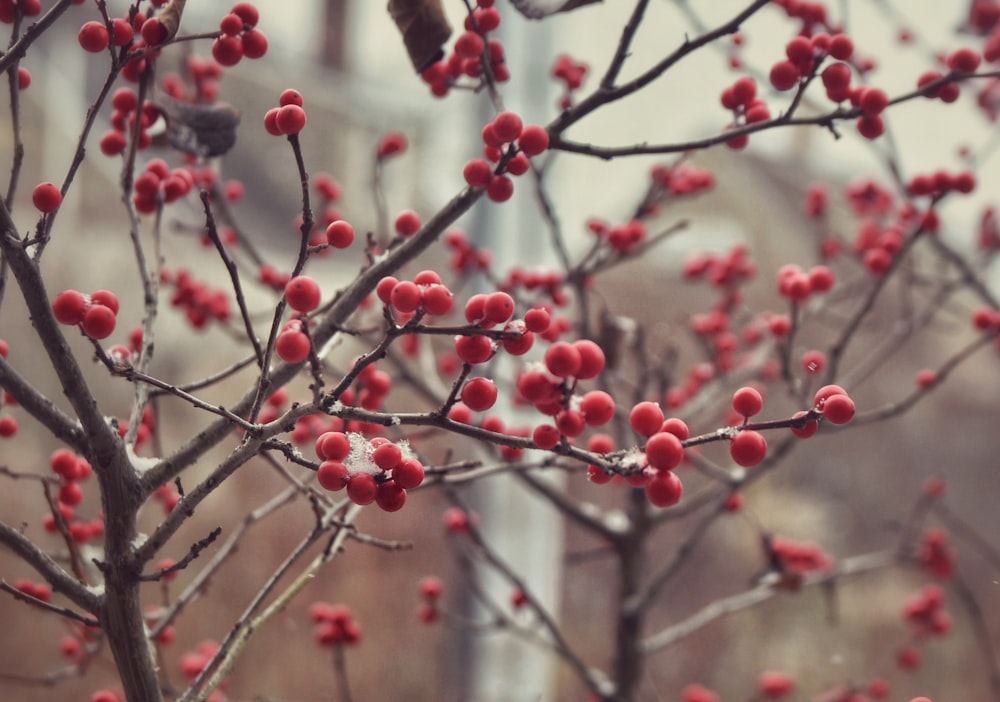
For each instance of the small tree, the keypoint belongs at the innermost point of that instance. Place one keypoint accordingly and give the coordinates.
(661, 438)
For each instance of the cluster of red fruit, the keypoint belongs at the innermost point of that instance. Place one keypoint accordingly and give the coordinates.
(622, 238)
(375, 470)
(200, 303)
(465, 258)
(926, 614)
(499, 139)
(94, 313)
(431, 589)
(288, 118)
(239, 36)
(424, 293)
(9, 9)
(797, 285)
(466, 57)
(959, 61)
(571, 74)
(334, 624)
(71, 470)
(936, 555)
(941, 182)
(682, 179)
(158, 184)
(125, 104)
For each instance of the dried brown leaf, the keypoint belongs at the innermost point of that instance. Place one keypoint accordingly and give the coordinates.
(424, 27)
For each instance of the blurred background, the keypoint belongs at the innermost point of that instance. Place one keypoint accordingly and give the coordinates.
(851, 493)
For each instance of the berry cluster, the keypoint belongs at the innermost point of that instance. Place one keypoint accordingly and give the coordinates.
(431, 588)
(200, 303)
(288, 118)
(375, 470)
(926, 614)
(158, 185)
(96, 314)
(499, 139)
(125, 104)
(71, 470)
(334, 624)
(571, 74)
(239, 36)
(468, 52)
(425, 293)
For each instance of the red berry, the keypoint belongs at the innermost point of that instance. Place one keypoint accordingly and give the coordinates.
(98, 322)
(498, 308)
(271, 122)
(563, 360)
(507, 127)
(477, 173)
(407, 223)
(775, 684)
(838, 409)
(290, 96)
(405, 296)
(545, 436)
(806, 430)
(747, 401)
(598, 407)
(333, 446)
(290, 119)
(500, 188)
(821, 395)
(841, 47)
(436, 300)
(390, 497)
(93, 37)
(784, 75)
(591, 359)
(873, 100)
(23, 78)
(332, 475)
(537, 319)
(302, 294)
(664, 490)
(474, 349)
(964, 61)
(361, 488)
(748, 448)
(646, 418)
(292, 346)
(408, 474)
(664, 451)
(339, 234)
(227, 51)
(469, 45)
(69, 306)
(533, 140)
(247, 11)
(8, 427)
(154, 32)
(254, 43)
(387, 456)
(479, 394)
(391, 144)
(46, 197)
(231, 25)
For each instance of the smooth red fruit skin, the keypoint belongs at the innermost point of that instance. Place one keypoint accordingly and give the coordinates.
(292, 346)
(302, 294)
(387, 456)
(290, 96)
(407, 223)
(271, 122)
(784, 75)
(545, 436)
(664, 451)
(361, 488)
(333, 446)
(562, 359)
(591, 359)
(339, 234)
(500, 188)
(677, 427)
(748, 448)
(71, 494)
(384, 289)
(537, 320)
(106, 298)
(408, 474)
(390, 497)
(93, 37)
(254, 43)
(231, 25)
(498, 307)
(664, 490)
(507, 126)
(479, 394)
(247, 11)
(646, 418)
(98, 322)
(598, 407)
(838, 409)
(520, 345)
(46, 197)
(533, 140)
(290, 119)
(474, 349)
(436, 300)
(69, 306)
(332, 475)
(227, 51)
(405, 296)
(477, 173)
(827, 391)
(808, 429)
(747, 401)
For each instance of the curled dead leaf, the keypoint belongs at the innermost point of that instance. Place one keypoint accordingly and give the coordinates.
(424, 27)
